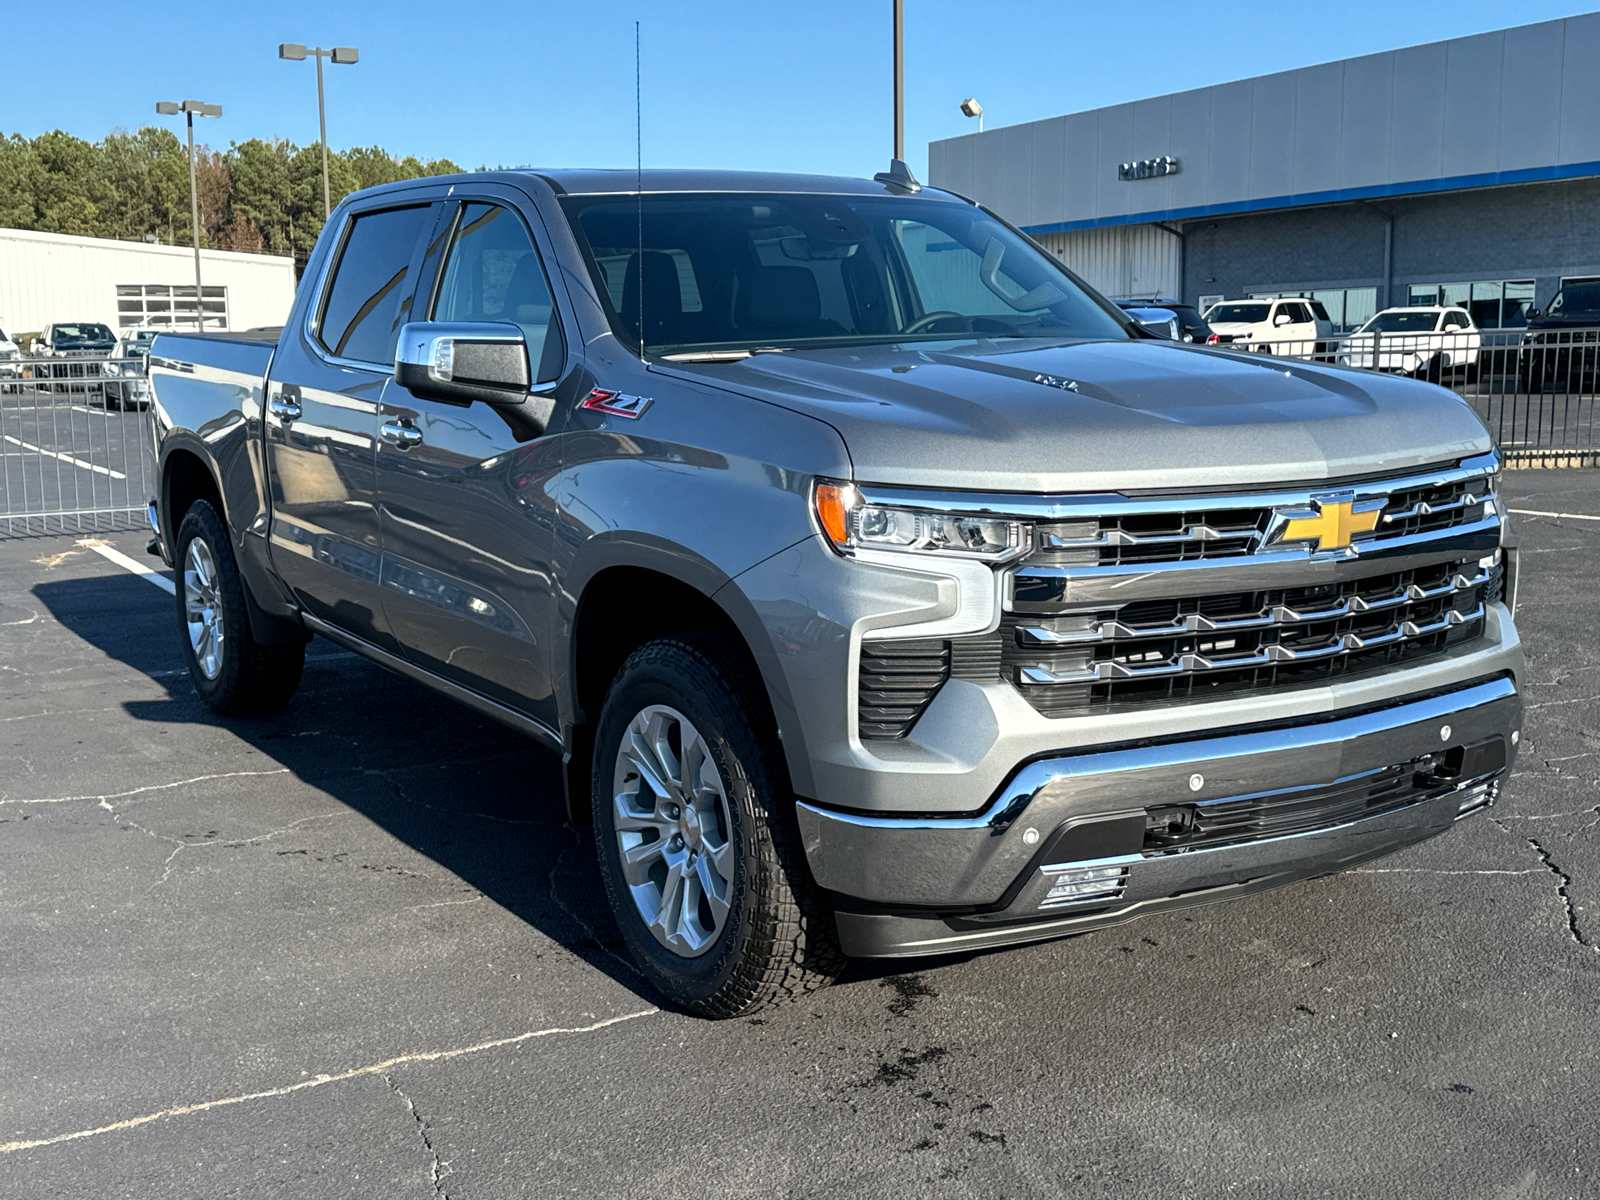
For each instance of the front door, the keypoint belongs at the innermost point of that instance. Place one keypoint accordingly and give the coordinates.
(322, 422)
(468, 521)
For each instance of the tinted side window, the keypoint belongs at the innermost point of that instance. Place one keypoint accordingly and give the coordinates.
(361, 317)
(494, 274)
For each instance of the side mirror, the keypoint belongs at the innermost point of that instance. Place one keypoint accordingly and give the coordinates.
(1283, 319)
(462, 361)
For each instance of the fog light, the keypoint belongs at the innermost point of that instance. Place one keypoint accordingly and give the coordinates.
(1480, 795)
(1080, 885)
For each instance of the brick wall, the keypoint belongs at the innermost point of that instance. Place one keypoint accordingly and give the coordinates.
(1535, 231)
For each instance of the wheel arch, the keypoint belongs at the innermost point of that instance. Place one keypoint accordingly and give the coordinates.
(624, 605)
(187, 475)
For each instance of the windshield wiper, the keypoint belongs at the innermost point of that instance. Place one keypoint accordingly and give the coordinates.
(716, 356)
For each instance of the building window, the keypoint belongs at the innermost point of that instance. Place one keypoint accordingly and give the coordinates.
(1518, 300)
(1493, 303)
(166, 305)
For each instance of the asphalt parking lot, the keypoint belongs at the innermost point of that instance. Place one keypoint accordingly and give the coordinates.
(354, 950)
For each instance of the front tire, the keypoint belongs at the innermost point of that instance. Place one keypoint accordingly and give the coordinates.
(696, 835)
(233, 673)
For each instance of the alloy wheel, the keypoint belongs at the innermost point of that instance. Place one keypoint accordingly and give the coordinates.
(202, 608)
(673, 831)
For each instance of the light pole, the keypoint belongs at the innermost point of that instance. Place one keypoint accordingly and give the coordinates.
(295, 52)
(190, 109)
(972, 108)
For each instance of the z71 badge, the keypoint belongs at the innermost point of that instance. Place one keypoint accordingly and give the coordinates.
(616, 404)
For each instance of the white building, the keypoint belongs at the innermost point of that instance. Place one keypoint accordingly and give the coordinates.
(53, 277)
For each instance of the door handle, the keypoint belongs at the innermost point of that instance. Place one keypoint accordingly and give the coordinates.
(283, 408)
(401, 435)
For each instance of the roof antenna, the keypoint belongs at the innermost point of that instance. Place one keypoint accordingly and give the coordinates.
(898, 177)
(638, 174)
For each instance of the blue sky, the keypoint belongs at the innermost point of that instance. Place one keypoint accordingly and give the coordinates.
(794, 86)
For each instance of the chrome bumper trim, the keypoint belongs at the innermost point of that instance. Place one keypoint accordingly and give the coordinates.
(971, 861)
(1162, 884)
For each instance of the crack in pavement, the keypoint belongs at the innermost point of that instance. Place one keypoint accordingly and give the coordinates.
(437, 1167)
(379, 1068)
(139, 791)
(179, 845)
(1564, 881)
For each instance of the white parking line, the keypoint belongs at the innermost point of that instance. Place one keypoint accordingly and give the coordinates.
(66, 458)
(142, 570)
(1532, 512)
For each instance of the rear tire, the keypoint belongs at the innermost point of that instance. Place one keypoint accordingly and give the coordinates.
(724, 918)
(233, 673)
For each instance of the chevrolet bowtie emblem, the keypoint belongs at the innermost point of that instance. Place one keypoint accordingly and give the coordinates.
(1333, 522)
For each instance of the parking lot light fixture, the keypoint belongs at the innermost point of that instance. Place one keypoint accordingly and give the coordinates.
(972, 108)
(192, 109)
(344, 56)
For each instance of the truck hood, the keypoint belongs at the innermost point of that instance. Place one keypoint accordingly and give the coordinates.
(1034, 416)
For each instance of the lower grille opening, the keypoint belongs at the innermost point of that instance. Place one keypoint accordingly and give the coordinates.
(1176, 828)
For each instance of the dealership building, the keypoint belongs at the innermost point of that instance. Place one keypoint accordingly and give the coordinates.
(47, 278)
(1463, 172)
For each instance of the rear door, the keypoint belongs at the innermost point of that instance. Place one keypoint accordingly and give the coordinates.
(468, 522)
(322, 415)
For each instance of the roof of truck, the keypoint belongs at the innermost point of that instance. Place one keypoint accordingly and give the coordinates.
(584, 181)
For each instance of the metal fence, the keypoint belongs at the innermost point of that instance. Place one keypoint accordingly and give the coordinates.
(75, 454)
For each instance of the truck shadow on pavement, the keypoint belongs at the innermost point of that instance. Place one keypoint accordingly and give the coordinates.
(480, 800)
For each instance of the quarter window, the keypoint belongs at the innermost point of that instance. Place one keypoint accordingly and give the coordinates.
(494, 274)
(361, 316)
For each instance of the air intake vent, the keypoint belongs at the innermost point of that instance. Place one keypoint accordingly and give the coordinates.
(898, 680)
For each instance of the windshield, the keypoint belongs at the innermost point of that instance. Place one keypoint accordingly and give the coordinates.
(142, 337)
(728, 272)
(1576, 298)
(1238, 314)
(68, 335)
(1402, 321)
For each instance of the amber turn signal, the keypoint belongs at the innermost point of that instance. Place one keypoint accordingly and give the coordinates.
(833, 502)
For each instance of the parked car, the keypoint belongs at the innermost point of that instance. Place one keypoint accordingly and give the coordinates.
(1429, 342)
(884, 590)
(10, 366)
(1561, 347)
(126, 382)
(76, 339)
(1291, 327)
(84, 345)
(1187, 324)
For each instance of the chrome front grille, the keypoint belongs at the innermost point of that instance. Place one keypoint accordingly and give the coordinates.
(1201, 647)
(1129, 600)
(1176, 534)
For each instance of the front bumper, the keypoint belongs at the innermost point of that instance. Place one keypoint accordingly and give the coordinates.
(934, 884)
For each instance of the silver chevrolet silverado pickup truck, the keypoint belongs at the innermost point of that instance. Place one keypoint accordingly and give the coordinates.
(884, 590)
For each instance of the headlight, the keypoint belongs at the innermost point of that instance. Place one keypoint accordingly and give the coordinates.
(850, 523)
(1172, 329)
